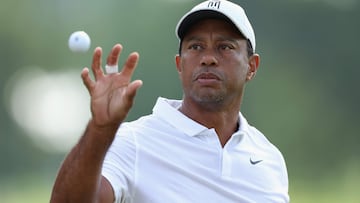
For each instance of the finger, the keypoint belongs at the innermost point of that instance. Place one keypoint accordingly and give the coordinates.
(89, 84)
(133, 87)
(130, 64)
(96, 63)
(132, 90)
(113, 57)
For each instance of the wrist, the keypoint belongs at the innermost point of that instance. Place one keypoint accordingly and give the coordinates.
(102, 133)
(103, 127)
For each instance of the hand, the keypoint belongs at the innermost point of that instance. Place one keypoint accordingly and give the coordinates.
(112, 95)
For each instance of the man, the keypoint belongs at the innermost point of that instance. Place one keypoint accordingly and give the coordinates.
(198, 149)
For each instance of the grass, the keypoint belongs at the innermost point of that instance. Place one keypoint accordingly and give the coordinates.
(29, 189)
(344, 189)
(340, 188)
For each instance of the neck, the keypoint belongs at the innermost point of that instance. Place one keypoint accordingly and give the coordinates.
(223, 119)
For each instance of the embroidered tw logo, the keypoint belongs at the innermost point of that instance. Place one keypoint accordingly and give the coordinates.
(214, 4)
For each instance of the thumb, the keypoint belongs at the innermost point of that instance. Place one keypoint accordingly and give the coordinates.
(89, 84)
(133, 87)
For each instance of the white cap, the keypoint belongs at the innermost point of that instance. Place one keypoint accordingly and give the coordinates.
(217, 9)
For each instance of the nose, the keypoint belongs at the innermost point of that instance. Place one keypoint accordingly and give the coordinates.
(209, 58)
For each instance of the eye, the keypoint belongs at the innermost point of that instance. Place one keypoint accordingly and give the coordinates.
(195, 47)
(226, 46)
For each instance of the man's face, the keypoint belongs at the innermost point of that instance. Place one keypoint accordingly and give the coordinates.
(214, 64)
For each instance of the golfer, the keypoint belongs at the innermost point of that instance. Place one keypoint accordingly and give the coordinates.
(199, 149)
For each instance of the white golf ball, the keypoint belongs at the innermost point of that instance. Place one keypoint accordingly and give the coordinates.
(79, 41)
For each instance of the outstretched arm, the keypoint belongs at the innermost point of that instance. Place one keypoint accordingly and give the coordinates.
(79, 178)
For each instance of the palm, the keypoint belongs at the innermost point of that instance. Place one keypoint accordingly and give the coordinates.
(111, 95)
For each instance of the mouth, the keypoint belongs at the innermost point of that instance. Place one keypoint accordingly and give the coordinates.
(207, 79)
(207, 76)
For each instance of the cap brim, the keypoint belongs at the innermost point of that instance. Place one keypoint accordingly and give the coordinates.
(195, 17)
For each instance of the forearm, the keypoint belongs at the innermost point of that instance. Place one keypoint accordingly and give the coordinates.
(79, 177)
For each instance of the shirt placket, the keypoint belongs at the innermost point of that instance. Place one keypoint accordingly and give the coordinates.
(227, 157)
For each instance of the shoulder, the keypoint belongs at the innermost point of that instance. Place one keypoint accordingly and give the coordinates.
(259, 141)
(264, 148)
(257, 136)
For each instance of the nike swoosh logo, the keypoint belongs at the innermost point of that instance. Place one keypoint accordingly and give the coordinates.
(255, 162)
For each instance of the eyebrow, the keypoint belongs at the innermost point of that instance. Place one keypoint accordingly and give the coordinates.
(220, 38)
(193, 38)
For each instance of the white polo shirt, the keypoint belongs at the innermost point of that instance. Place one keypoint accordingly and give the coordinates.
(166, 157)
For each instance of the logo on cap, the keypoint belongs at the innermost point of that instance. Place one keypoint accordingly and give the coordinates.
(214, 4)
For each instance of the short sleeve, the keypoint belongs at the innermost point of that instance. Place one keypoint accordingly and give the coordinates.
(119, 164)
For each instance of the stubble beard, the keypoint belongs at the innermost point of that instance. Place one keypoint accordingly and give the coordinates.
(211, 100)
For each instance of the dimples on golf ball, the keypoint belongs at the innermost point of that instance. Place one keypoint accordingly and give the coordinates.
(79, 41)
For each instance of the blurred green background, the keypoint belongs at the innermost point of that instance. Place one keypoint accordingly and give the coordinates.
(304, 97)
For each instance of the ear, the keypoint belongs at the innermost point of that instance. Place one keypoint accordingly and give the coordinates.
(254, 62)
(178, 63)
